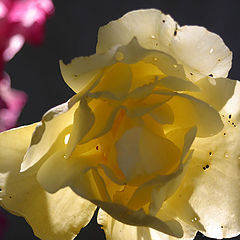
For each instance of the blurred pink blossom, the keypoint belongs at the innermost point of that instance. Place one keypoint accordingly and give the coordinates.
(20, 21)
(11, 104)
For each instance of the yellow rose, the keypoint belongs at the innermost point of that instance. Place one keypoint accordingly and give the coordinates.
(151, 137)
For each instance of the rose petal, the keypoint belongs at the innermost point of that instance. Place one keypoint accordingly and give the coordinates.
(215, 91)
(53, 123)
(190, 111)
(207, 195)
(52, 216)
(116, 230)
(201, 52)
(141, 152)
(152, 28)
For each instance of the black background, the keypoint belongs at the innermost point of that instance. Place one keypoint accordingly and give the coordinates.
(72, 32)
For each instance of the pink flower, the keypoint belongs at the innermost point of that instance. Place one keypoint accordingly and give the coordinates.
(11, 104)
(21, 21)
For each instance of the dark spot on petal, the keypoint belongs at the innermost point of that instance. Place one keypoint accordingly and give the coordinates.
(175, 32)
(221, 226)
(97, 147)
(224, 134)
(163, 21)
(206, 167)
(219, 59)
(75, 75)
(229, 116)
(210, 153)
(191, 73)
(210, 75)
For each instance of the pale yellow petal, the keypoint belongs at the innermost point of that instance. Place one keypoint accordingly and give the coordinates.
(178, 84)
(140, 153)
(140, 218)
(52, 216)
(163, 114)
(117, 80)
(232, 106)
(215, 91)
(151, 27)
(201, 52)
(116, 230)
(160, 187)
(104, 113)
(53, 123)
(58, 172)
(83, 72)
(189, 111)
(82, 123)
(209, 194)
(92, 187)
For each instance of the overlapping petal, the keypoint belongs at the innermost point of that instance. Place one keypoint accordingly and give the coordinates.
(201, 52)
(116, 230)
(50, 215)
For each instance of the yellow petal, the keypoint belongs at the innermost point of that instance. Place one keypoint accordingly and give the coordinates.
(52, 216)
(139, 218)
(232, 106)
(53, 123)
(201, 52)
(189, 111)
(215, 91)
(178, 84)
(140, 153)
(116, 80)
(82, 123)
(163, 114)
(58, 172)
(116, 230)
(104, 113)
(209, 194)
(152, 28)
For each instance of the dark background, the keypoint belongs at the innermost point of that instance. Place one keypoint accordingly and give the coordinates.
(72, 32)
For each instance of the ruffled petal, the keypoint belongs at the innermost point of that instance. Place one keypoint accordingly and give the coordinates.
(151, 27)
(141, 152)
(209, 194)
(215, 91)
(85, 73)
(52, 216)
(189, 111)
(82, 123)
(201, 52)
(90, 185)
(116, 230)
(55, 121)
